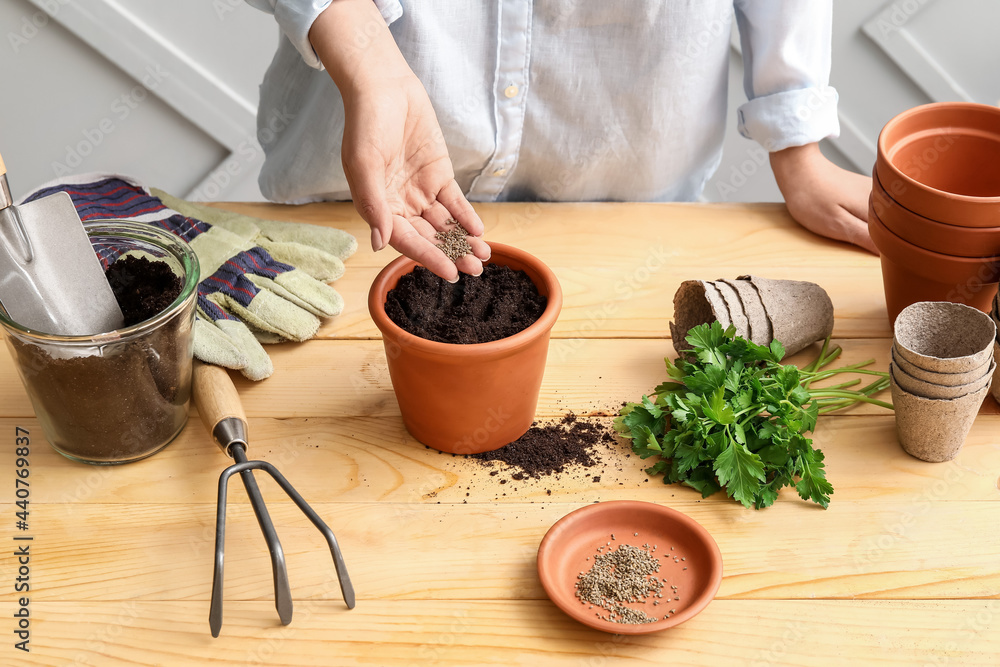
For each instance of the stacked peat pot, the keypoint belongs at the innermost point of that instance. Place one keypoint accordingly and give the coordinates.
(942, 368)
(794, 312)
(934, 211)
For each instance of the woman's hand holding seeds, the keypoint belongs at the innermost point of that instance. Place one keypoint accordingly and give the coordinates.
(394, 153)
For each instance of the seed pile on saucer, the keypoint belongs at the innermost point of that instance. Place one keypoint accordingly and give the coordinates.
(795, 312)
(623, 576)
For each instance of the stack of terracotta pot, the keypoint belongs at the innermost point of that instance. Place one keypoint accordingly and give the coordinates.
(942, 368)
(934, 211)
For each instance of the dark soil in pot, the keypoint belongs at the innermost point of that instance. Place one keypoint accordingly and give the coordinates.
(477, 309)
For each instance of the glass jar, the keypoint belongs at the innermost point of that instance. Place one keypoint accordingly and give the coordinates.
(123, 395)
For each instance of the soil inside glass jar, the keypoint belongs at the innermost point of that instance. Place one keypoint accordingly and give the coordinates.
(142, 288)
(129, 400)
(477, 309)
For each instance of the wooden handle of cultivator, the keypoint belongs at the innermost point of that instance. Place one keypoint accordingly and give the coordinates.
(3, 167)
(219, 405)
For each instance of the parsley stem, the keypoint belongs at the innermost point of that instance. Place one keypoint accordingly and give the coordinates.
(846, 369)
(843, 385)
(814, 366)
(861, 365)
(859, 368)
(830, 358)
(851, 395)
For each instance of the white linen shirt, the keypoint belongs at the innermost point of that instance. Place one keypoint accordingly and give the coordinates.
(562, 100)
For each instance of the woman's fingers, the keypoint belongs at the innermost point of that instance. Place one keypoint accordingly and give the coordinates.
(410, 237)
(440, 218)
(469, 264)
(480, 248)
(854, 230)
(368, 190)
(460, 209)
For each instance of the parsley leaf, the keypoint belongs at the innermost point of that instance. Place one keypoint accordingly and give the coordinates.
(741, 472)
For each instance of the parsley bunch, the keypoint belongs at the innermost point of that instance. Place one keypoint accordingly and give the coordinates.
(733, 416)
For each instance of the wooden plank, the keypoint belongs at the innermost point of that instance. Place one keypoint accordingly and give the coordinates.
(579, 234)
(626, 302)
(855, 549)
(616, 285)
(372, 459)
(333, 378)
(460, 633)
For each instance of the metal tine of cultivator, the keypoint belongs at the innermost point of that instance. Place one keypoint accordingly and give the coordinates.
(282, 593)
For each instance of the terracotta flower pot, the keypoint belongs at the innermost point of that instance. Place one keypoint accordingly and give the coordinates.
(939, 161)
(465, 399)
(931, 234)
(911, 274)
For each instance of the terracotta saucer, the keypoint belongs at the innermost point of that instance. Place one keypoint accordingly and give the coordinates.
(564, 551)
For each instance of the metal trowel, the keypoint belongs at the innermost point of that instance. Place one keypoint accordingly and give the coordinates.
(51, 280)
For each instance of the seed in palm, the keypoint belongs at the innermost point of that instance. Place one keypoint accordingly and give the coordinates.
(454, 241)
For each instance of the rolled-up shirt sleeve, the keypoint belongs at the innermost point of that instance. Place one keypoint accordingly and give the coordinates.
(295, 18)
(786, 60)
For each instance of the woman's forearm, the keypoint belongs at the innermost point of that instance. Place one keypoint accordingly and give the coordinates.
(355, 45)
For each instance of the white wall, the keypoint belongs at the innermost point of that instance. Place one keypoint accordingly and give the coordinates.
(73, 98)
(164, 91)
(918, 51)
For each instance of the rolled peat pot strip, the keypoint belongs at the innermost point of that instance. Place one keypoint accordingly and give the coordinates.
(760, 327)
(800, 312)
(938, 160)
(931, 234)
(466, 399)
(719, 307)
(941, 379)
(735, 307)
(944, 337)
(911, 273)
(695, 302)
(931, 390)
(795, 312)
(933, 429)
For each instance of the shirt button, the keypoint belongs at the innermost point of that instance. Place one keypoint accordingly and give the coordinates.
(510, 91)
(500, 172)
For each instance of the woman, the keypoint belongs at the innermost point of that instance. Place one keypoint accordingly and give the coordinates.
(453, 101)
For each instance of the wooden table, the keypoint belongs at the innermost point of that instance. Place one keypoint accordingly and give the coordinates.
(904, 567)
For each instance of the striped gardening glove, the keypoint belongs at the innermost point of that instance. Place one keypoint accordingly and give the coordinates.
(250, 291)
